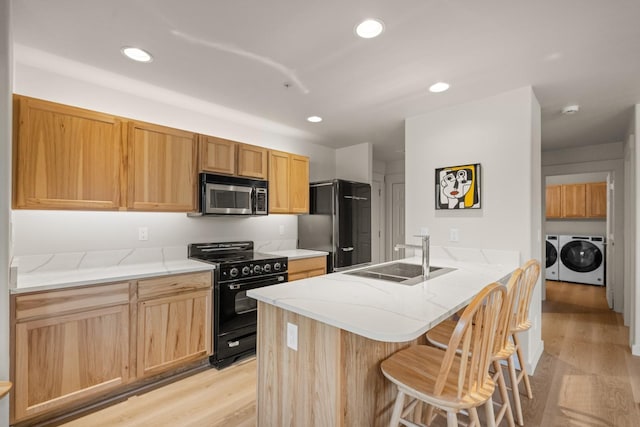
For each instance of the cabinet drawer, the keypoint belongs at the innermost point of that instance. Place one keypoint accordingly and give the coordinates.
(307, 264)
(70, 300)
(162, 286)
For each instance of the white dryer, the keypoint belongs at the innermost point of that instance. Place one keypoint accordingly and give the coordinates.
(582, 259)
(553, 261)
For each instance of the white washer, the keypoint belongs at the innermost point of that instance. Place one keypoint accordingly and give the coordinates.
(582, 259)
(553, 257)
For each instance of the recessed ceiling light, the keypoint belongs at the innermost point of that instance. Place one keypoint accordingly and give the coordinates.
(571, 109)
(369, 28)
(137, 54)
(438, 87)
(314, 119)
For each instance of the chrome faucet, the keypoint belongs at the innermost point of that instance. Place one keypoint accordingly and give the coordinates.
(425, 253)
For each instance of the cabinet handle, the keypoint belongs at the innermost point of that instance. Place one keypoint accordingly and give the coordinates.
(233, 343)
(349, 249)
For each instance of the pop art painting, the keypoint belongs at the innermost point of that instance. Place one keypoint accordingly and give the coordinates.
(458, 187)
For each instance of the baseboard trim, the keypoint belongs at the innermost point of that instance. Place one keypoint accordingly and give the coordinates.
(536, 355)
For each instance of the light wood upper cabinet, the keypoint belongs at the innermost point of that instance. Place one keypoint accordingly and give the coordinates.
(553, 204)
(278, 182)
(574, 198)
(288, 183)
(217, 155)
(307, 267)
(575, 201)
(299, 184)
(70, 346)
(252, 161)
(597, 200)
(65, 157)
(174, 322)
(162, 168)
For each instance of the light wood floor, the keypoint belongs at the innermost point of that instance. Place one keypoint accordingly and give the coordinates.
(586, 377)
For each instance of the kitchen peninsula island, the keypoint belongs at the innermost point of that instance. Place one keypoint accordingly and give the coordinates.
(321, 340)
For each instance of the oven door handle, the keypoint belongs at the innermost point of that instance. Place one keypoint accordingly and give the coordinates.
(253, 285)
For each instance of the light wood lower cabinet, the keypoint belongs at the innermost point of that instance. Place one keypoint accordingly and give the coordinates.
(74, 346)
(69, 348)
(307, 267)
(176, 327)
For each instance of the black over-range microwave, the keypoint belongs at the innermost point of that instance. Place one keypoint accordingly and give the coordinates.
(231, 195)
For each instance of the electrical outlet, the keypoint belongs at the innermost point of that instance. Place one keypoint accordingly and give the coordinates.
(281, 230)
(292, 336)
(454, 235)
(143, 233)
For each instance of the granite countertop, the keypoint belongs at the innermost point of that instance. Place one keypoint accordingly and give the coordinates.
(293, 254)
(389, 311)
(55, 271)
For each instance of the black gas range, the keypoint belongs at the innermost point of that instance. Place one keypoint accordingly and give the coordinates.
(238, 269)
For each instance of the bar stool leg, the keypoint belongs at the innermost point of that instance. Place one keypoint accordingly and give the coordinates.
(514, 389)
(491, 418)
(504, 395)
(397, 410)
(525, 377)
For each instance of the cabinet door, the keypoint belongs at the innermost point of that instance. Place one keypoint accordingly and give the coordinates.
(173, 330)
(217, 155)
(597, 200)
(552, 201)
(574, 201)
(69, 358)
(252, 161)
(162, 168)
(65, 157)
(299, 184)
(307, 267)
(278, 182)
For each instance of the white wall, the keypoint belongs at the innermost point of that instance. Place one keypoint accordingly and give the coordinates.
(5, 195)
(355, 163)
(503, 134)
(39, 232)
(602, 159)
(595, 227)
(41, 75)
(632, 242)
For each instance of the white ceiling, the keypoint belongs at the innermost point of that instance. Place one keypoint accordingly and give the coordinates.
(240, 53)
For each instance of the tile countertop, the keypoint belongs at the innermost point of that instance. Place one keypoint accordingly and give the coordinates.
(388, 311)
(293, 254)
(55, 271)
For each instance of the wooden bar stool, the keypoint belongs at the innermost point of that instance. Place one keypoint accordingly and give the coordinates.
(503, 348)
(521, 323)
(5, 386)
(454, 379)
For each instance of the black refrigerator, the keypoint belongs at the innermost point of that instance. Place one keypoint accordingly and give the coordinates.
(339, 222)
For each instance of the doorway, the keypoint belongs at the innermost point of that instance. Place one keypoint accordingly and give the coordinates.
(395, 215)
(578, 226)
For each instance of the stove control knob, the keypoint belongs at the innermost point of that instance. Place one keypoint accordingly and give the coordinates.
(234, 272)
(246, 270)
(257, 269)
(277, 266)
(266, 268)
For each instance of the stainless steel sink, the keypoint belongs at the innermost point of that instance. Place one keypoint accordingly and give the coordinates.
(400, 272)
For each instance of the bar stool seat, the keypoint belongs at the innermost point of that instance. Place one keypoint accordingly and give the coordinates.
(5, 386)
